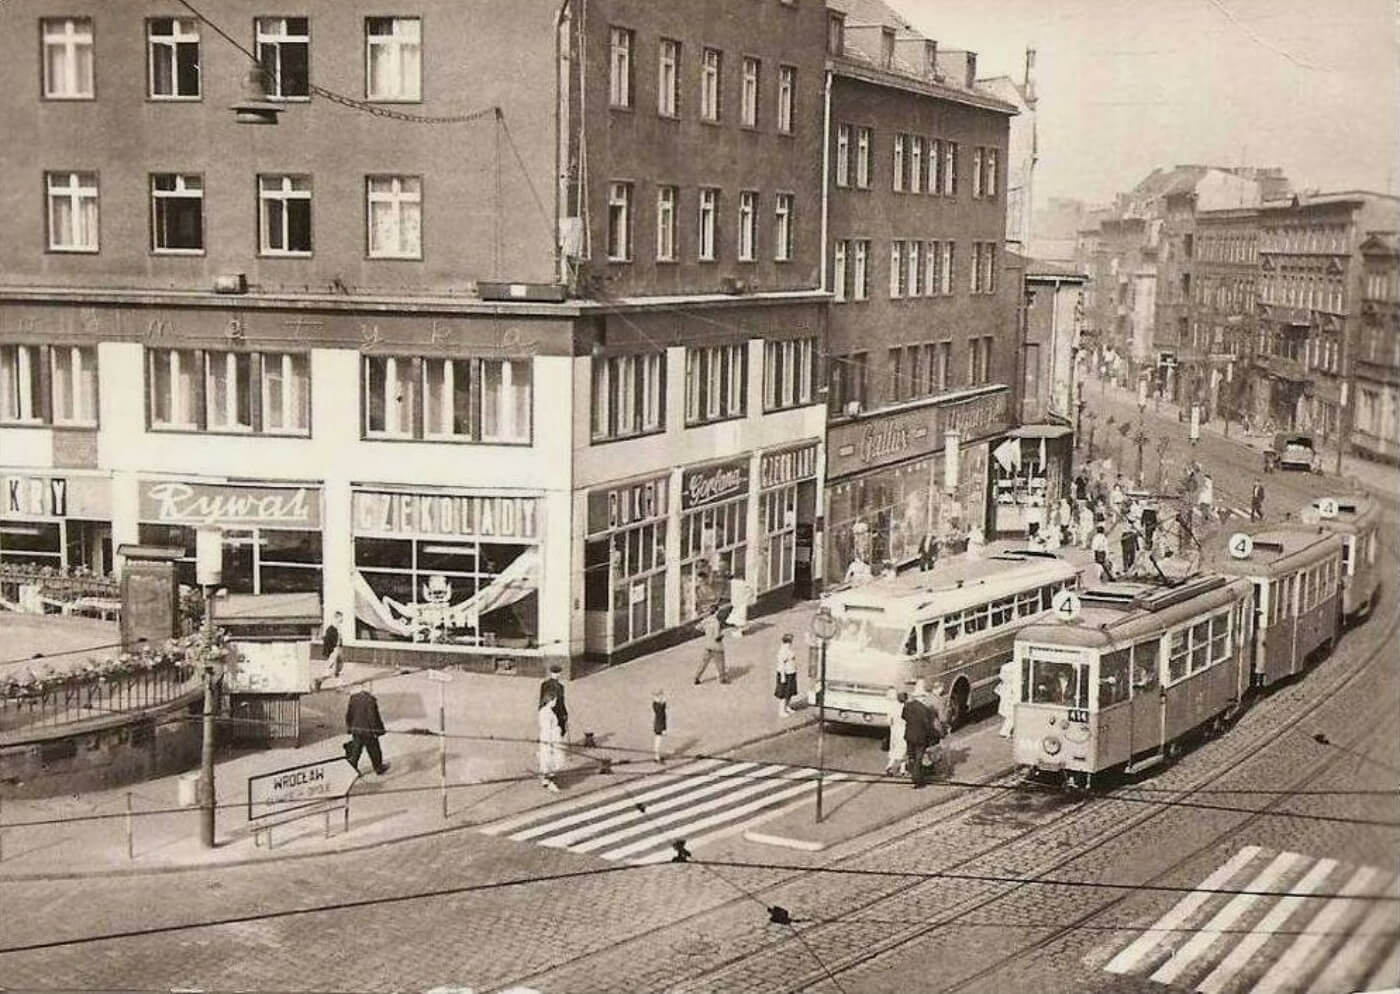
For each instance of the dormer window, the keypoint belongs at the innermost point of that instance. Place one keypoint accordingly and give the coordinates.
(887, 47)
(835, 33)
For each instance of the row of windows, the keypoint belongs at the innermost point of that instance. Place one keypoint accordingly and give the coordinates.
(1383, 285)
(917, 268)
(708, 207)
(1316, 351)
(1330, 239)
(670, 67)
(911, 372)
(403, 397)
(1298, 593)
(1236, 294)
(1314, 292)
(629, 391)
(393, 214)
(919, 164)
(1228, 248)
(174, 63)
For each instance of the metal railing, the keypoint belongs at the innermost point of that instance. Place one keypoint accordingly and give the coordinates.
(78, 697)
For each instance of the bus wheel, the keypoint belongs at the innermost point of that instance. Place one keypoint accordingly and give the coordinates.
(957, 706)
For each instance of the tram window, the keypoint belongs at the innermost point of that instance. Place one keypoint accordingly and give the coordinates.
(1285, 608)
(1200, 645)
(1047, 596)
(911, 643)
(929, 635)
(1346, 551)
(1219, 637)
(952, 627)
(1113, 678)
(1058, 683)
(1310, 589)
(1145, 662)
(1273, 601)
(1002, 611)
(1176, 658)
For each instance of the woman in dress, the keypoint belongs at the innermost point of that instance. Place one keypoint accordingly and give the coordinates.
(785, 676)
(551, 737)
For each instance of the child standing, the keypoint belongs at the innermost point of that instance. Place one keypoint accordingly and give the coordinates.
(785, 684)
(658, 724)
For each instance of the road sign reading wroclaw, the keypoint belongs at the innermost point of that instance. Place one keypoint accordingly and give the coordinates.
(295, 787)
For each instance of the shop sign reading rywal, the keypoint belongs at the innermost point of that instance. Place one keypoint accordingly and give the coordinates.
(710, 484)
(429, 515)
(230, 505)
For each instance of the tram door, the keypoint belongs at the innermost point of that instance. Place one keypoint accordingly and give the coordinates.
(1149, 705)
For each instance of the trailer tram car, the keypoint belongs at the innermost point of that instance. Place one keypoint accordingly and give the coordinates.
(1296, 574)
(1357, 520)
(955, 627)
(1141, 668)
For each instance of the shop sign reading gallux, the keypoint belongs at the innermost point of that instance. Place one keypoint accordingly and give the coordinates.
(444, 515)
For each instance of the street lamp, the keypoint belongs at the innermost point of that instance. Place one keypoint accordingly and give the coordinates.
(1163, 444)
(823, 627)
(1141, 439)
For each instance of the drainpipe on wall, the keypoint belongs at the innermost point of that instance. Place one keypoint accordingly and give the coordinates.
(826, 167)
(561, 111)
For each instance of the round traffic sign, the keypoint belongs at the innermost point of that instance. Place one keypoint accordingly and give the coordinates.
(1241, 546)
(823, 624)
(1066, 605)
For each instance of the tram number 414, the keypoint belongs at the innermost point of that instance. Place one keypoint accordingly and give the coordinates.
(1076, 714)
(1241, 546)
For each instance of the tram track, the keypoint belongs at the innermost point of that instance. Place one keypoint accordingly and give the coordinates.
(1035, 871)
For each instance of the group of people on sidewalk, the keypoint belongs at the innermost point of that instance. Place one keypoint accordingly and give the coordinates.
(918, 725)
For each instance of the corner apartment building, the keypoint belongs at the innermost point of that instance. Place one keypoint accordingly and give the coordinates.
(1311, 281)
(922, 332)
(1376, 425)
(504, 341)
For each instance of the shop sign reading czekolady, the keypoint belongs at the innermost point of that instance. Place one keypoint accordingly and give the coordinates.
(444, 515)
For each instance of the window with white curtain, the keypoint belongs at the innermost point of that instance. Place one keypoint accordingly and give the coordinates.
(843, 155)
(860, 270)
(710, 65)
(838, 270)
(709, 206)
(284, 50)
(628, 395)
(748, 102)
(72, 211)
(668, 76)
(864, 139)
(395, 214)
(393, 59)
(715, 382)
(748, 223)
(620, 71)
(228, 391)
(20, 384)
(787, 94)
(286, 393)
(788, 373)
(173, 58)
(782, 227)
(619, 222)
(74, 385)
(666, 197)
(174, 383)
(284, 215)
(68, 65)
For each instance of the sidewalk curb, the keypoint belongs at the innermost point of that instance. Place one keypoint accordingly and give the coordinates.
(141, 871)
(784, 842)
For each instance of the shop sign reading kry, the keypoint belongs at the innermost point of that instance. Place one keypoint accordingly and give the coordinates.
(36, 496)
(714, 483)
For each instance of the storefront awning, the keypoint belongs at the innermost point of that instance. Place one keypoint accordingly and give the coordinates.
(1040, 431)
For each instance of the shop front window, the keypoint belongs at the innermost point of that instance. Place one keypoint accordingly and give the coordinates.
(256, 560)
(713, 544)
(31, 543)
(777, 522)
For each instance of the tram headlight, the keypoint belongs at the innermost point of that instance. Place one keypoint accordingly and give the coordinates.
(1051, 745)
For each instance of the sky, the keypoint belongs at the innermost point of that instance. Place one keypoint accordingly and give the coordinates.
(1127, 85)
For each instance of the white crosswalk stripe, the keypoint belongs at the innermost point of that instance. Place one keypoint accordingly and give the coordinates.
(637, 820)
(1269, 922)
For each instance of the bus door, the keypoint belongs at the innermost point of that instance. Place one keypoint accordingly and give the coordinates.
(1149, 704)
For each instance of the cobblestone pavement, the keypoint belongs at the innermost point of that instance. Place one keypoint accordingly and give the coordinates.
(923, 904)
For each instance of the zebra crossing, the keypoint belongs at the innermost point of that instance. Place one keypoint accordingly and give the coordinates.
(637, 820)
(1271, 922)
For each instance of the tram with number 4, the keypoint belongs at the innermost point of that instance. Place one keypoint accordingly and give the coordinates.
(1357, 520)
(1124, 674)
(952, 627)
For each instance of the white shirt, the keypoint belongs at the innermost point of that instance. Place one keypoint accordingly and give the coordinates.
(787, 659)
(1099, 543)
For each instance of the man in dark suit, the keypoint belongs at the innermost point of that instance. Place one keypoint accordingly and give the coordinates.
(928, 552)
(553, 685)
(918, 735)
(364, 724)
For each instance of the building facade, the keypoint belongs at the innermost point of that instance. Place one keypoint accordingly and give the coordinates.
(1376, 427)
(1224, 322)
(505, 378)
(1311, 278)
(923, 321)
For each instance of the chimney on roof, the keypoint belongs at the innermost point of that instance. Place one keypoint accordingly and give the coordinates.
(1028, 84)
(971, 69)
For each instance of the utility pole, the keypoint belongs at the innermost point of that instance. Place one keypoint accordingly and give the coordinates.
(206, 750)
(823, 627)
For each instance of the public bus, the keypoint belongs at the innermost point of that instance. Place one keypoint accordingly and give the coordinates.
(1141, 667)
(1357, 520)
(1296, 573)
(953, 627)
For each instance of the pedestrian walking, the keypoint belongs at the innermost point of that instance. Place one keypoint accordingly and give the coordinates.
(928, 552)
(1099, 546)
(1117, 498)
(918, 727)
(1081, 487)
(785, 676)
(553, 686)
(551, 742)
(1256, 502)
(330, 649)
(894, 710)
(658, 724)
(1007, 695)
(712, 647)
(1129, 544)
(1086, 525)
(1066, 520)
(363, 722)
(976, 542)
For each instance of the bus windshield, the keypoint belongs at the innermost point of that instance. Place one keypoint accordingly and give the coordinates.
(863, 633)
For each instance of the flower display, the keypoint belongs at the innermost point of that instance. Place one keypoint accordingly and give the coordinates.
(181, 657)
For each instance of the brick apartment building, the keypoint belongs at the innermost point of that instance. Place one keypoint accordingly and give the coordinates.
(923, 321)
(1376, 423)
(505, 340)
